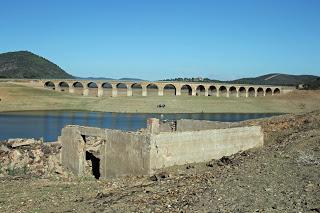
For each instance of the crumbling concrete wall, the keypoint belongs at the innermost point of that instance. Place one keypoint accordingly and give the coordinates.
(178, 148)
(196, 125)
(72, 151)
(193, 125)
(121, 153)
(126, 153)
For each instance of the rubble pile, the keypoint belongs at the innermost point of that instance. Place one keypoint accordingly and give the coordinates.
(29, 157)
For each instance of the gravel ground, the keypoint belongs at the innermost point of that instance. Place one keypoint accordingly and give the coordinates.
(283, 176)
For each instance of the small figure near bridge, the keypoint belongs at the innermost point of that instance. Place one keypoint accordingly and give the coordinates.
(161, 106)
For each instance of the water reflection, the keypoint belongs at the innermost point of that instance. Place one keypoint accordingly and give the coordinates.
(48, 124)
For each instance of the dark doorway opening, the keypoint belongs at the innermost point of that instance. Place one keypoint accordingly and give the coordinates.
(95, 164)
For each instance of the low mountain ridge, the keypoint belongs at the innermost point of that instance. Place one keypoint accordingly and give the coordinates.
(277, 79)
(25, 64)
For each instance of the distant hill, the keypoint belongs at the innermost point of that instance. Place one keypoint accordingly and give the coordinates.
(24, 64)
(313, 84)
(94, 78)
(131, 79)
(277, 79)
(111, 79)
(311, 81)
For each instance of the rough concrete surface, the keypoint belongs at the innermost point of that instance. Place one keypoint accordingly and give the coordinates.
(178, 148)
(139, 153)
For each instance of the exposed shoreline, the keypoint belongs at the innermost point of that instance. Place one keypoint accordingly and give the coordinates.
(231, 184)
(19, 98)
(73, 110)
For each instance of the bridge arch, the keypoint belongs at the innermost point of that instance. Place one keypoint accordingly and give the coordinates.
(251, 92)
(77, 84)
(242, 92)
(136, 89)
(122, 89)
(107, 89)
(233, 91)
(169, 90)
(186, 90)
(212, 91)
(92, 85)
(200, 90)
(260, 91)
(223, 91)
(276, 91)
(63, 86)
(78, 87)
(152, 89)
(268, 91)
(49, 85)
(92, 88)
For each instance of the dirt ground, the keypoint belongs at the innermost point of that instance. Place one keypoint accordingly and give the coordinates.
(19, 98)
(282, 176)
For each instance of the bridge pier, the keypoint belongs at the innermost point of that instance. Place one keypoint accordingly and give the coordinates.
(178, 91)
(85, 91)
(144, 90)
(160, 91)
(100, 92)
(71, 90)
(129, 91)
(206, 91)
(114, 91)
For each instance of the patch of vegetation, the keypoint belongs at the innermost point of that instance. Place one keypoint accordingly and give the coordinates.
(313, 84)
(24, 64)
(13, 171)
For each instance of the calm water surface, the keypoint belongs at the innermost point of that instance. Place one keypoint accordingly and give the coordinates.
(48, 124)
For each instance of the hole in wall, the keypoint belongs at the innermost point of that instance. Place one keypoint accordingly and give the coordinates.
(95, 164)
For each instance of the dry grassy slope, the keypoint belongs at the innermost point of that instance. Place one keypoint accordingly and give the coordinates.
(18, 97)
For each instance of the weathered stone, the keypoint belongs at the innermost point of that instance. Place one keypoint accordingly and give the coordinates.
(4, 148)
(38, 154)
(30, 157)
(15, 155)
(20, 142)
(54, 165)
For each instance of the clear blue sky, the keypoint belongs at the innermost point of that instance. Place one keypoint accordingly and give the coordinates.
(156, 39)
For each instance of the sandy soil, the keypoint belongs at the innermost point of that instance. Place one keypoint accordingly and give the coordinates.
(282, 176)
(19, 98)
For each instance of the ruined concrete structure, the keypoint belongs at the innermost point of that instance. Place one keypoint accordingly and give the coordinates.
(112, 153)
(110, 88)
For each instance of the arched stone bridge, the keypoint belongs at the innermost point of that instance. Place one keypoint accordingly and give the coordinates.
(113, 88)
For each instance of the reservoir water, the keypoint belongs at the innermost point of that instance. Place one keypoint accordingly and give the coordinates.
(48, 124)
